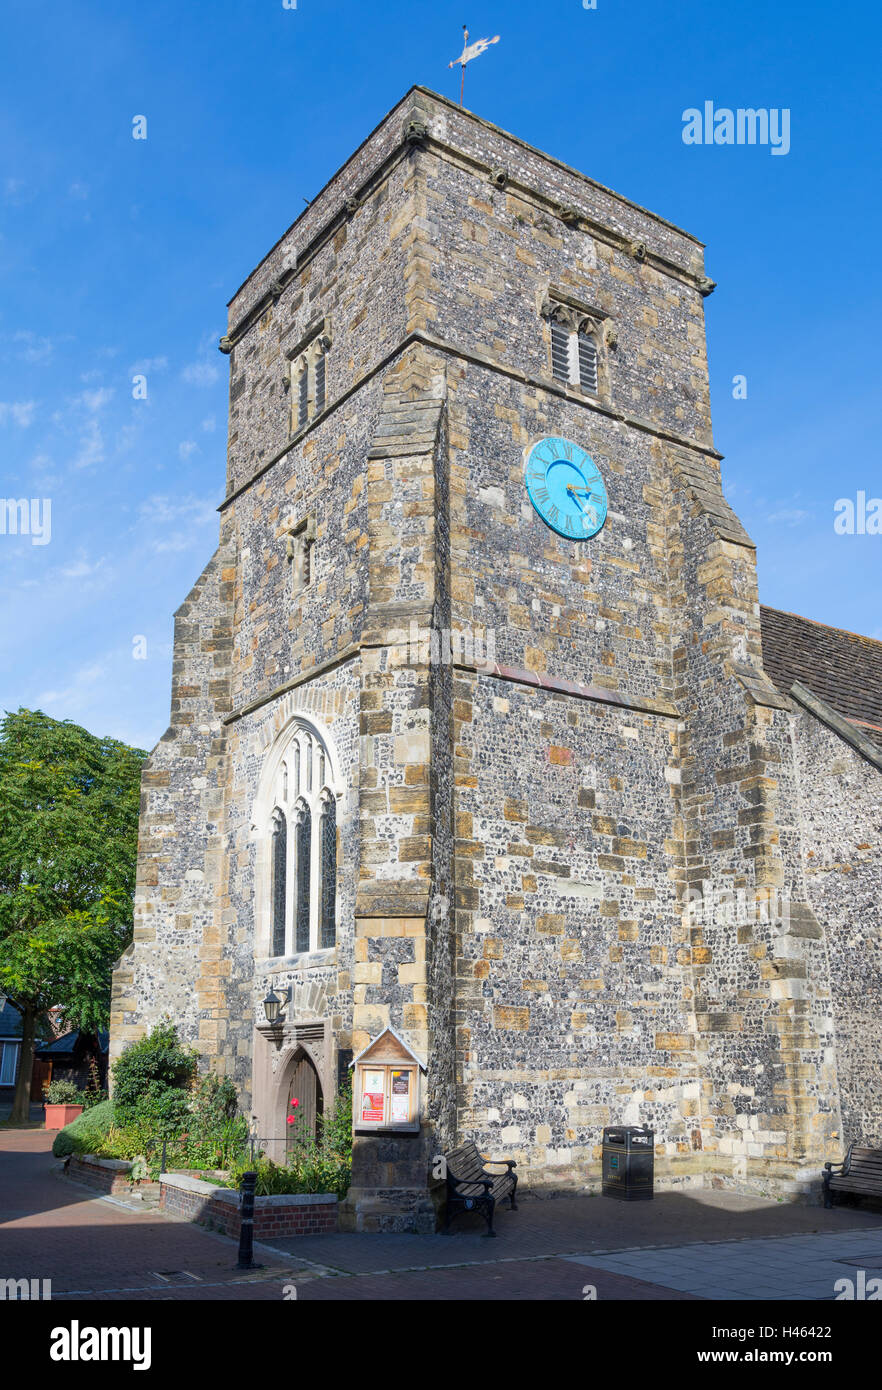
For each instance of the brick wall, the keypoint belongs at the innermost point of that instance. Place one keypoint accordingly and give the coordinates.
(106, 1175)
(275, 1218)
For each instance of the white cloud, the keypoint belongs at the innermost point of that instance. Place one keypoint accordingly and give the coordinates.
(35, 348)
(148, 364)
(209, 424)
(91, 449)
(20, 412)
(42, 466)
(160, 509)
(187, 447)
(96, 400)
(200, 374)
(81, 568)
(789, 516)
(79, 687)
(78, 190)
(175, 519)
(13, 191)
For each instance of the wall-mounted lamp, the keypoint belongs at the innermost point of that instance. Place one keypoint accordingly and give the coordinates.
(272, 1006)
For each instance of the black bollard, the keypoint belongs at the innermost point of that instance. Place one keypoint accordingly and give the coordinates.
(246, 1233)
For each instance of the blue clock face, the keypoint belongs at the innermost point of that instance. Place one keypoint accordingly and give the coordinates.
(565, 487)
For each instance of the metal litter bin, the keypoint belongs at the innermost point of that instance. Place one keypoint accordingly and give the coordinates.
(628, 1163)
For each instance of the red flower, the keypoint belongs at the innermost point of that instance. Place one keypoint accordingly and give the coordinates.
(294, 1104)
(291, 1119)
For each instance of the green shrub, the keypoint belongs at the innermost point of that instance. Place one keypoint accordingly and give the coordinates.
(89, 1099)
(127, 1140)
(214, 1105)
(336, 1122)
(202, 1128)
(63, 1093)
(94, 1092)
(223, 1148)
(151, 1070)
(87, 1133)
(305, 1171)
(165, 1113)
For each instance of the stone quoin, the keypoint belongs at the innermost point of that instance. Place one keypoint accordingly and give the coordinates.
(497, 861)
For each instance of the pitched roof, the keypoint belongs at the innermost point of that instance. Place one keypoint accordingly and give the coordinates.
(10, 1021)
(67, 1043)
(840, 667)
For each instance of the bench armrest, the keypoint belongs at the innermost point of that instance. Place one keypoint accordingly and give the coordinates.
(508, 1163)
(833, 1167)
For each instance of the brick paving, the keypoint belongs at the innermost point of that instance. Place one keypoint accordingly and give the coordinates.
(96, 1248)
(93, 1246)
(582, 1225)
(531, 1280)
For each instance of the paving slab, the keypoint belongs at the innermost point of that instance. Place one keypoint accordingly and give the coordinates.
(797, 1267)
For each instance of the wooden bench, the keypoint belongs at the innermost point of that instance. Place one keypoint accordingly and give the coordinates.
(472, 1187)
(860, 1173)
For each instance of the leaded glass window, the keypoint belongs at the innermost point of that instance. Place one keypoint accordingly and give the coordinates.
(329, 872)
(280, 878)
(304, 873)
(303, 397)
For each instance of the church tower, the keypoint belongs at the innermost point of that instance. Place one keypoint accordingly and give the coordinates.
(472, 744)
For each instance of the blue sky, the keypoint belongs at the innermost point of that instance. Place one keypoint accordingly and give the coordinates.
(118, 256)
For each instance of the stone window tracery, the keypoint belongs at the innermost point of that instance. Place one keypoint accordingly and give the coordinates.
(301, 867)
(577, 346)
(308, 377)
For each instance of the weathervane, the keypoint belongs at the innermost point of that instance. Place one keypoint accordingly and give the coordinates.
(469, 52)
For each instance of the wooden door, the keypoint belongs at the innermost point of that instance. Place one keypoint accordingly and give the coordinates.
(306, 1088)
(40, 1076)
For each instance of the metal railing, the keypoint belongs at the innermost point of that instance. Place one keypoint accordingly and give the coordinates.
(255, 1144)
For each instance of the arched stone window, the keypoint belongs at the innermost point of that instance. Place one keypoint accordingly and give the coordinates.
(577, 340)
(308, 380)
(296, 907)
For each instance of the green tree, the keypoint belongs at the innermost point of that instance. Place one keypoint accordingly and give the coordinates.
(68, 843)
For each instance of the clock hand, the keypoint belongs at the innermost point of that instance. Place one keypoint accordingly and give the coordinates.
(591, 495)
(589, 513)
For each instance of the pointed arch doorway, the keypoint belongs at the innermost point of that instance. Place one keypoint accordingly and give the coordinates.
(305, 1086)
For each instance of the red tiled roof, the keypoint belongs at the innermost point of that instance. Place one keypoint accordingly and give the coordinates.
(842, 668)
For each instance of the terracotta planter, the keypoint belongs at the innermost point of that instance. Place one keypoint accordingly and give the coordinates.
(57, 1116)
